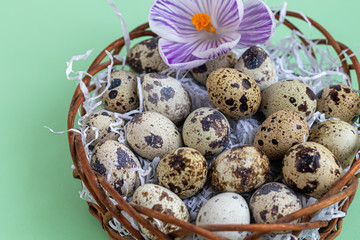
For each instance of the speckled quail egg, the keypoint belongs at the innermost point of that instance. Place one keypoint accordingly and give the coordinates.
(104, 123)
(121, 96)
(339, 101)
(183, 171)
(144, 57)
(256, 63)
(273, 201)
(235, 93)
(339, 137)
(162, 200)
(240, 169)
(311, 169)
(202, 72)
(207, 130)
(225, 208)
(165, 95)
(112, 159)
(279, 132)
(151, 135)
(288, 95)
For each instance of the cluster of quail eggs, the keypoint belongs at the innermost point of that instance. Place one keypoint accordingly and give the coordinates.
(194, 144)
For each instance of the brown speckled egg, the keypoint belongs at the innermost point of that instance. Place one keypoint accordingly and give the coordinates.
(165, 95)
(206, 130)
(256, 63)
(101, 121)
(162, 200)
(341, 138)
(144, 57)
(273, 201)
(288, 95)
(151, 134)
(279, 132)
(183, 171)
(339, 101)
(202, 72)
(112, 159)
(235, 93)
(240, 169)
(311, 169)
(121, 96)
(225, 208)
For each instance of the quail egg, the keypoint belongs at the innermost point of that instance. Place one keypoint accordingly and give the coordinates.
(288, 95)
(162, 200)
(165, 95)
(225, 208)
(339, 101)
(339, 137)
(311, 169)
(240, 169)
(235, 93)
(183, 171)
(121, 96)
(256, 63)
(273, 201)
(207, 130)
(112, 160)
(279, 132)
(105, 124)
(151, 135)
(144, 57)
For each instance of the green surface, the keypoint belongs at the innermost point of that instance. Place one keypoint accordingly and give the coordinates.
(39, 197)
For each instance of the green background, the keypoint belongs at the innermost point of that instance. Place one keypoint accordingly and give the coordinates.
(39, 198)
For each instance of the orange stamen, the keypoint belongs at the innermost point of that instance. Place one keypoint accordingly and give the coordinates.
(203, 21)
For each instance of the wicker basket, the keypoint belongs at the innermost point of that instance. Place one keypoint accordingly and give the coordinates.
(104, 210)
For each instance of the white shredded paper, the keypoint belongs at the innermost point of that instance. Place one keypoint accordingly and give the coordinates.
(292, 60)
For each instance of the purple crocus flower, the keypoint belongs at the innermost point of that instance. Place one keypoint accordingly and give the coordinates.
(195, 31)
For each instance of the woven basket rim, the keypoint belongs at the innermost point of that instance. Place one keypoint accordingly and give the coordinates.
(104, 210)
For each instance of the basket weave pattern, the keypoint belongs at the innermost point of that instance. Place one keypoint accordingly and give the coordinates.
(104, 210)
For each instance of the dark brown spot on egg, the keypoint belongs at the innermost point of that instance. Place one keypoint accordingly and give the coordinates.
(263, 215)
(334, 96)
(124, 160)
(97, 166)
(148, 87)
(174, 188)
(136, 119)
(347, 90)
(292, 100)
(229, 102)
(151, 43)
(167, 93)
(254, 57)
(310, 94)
(153, 98)
(165, 195)
(154, 141)
(113, 94)
(246, 83)
(298, 127)
(307, 160)
(337, 87)
(274, 141)
(260, 142)
(243, 106)
(118, 185)
(200, 69)
(178, 162)
(235, 85)
(303, 107)
(157, 207)
(116, 82)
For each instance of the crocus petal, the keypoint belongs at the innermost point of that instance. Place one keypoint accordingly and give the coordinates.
(211, 49)
(178, 55)
(171, 19)
(258, 24)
